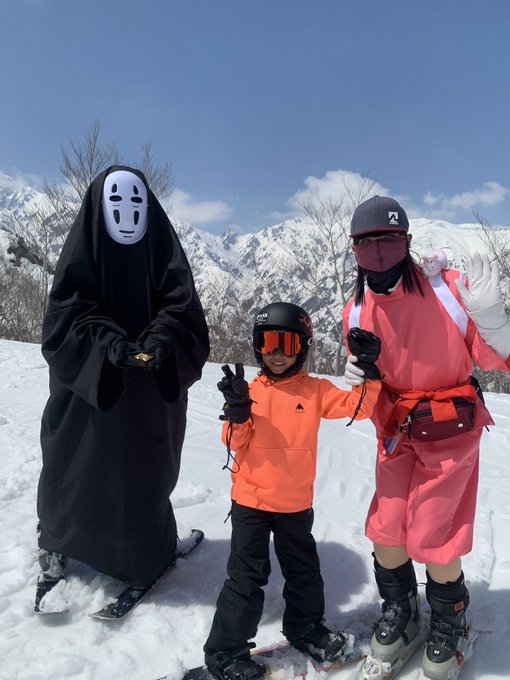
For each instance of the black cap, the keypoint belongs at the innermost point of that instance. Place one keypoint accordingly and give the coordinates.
(379, 213)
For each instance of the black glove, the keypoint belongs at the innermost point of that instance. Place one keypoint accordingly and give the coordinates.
(366, 347)
(122, 354)
(157, 346)
(158, 353)
(236, 392)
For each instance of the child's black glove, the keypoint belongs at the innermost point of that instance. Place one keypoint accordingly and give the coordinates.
(237, 407)
(366, 347)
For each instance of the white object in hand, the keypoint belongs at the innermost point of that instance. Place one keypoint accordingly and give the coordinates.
(354, 375)
(484, 303)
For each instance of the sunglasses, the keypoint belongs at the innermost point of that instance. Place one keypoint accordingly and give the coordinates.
(287, 342)
(384, 236)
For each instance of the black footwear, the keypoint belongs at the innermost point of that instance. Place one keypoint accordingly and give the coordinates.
(400, 620)
(318, 641)
(234, 664)
(449, 632)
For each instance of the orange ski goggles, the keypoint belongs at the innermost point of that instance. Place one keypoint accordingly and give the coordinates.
(289, 343)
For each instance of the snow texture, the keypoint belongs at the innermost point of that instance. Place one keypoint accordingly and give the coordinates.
(165, 634)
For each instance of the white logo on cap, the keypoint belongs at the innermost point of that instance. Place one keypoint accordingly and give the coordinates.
(393, 217)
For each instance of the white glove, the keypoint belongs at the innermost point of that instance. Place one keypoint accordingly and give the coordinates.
(354, 375)
(484, 303)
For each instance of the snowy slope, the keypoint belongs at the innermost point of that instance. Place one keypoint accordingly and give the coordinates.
(166, 632)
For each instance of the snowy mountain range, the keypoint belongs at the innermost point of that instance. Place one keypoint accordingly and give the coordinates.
(16, 198)
(289, 260)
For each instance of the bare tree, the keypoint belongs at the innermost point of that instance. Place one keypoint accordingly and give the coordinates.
(229, 321)
(85, 159)
(38, 237)
(159, 177)
(322, 274)
(34, 247)
(21, 303)
(497, 243)
(332, 218)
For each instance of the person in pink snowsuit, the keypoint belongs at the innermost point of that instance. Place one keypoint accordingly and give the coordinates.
(429, 424)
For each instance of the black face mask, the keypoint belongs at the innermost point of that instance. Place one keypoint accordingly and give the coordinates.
(381, 282)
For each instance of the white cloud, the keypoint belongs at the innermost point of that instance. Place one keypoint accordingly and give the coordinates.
(430, 200)
(189, 209)
(490, 193)
(19, 181)
(335, 186)
(279, 216)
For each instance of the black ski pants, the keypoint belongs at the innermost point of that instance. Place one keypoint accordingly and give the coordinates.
(240, 603)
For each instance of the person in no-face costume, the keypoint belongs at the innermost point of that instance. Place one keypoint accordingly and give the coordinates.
(113, 427)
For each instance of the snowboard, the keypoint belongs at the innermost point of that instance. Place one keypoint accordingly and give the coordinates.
(281, 657)
(131, 597)
(283, 660)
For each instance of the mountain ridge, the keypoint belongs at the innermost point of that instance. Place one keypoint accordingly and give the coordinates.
(236, 273)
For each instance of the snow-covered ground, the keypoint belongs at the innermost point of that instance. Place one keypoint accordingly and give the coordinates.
(165, 634)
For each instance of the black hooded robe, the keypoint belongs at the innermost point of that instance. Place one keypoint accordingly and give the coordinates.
(111, 437)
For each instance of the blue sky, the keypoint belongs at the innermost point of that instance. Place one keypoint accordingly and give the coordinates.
(256, 104)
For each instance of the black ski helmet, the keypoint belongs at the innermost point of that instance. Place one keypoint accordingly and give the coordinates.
(284, 316)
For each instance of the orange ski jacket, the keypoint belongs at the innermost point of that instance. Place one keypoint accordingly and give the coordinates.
(276, 449)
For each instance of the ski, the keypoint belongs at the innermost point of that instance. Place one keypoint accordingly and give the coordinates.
(131, 597)
(48, 598)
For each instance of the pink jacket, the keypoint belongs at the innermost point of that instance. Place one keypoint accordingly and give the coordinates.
(422, 347)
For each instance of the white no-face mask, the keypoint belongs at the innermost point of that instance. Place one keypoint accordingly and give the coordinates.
(125, 204)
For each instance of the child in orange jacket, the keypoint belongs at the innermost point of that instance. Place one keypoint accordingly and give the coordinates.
(272, 425)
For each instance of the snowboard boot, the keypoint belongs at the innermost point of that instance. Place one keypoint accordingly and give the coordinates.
(444, 653)
(319, 642)
(400, 620)
(233, 664)
(52, 565)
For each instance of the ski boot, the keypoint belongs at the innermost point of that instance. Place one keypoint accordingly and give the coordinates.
(234, 664)
(319, 642)
(448, 639)
(52, 565)
(400, 620)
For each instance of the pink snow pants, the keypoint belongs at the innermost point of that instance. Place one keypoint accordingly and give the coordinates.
(425, 498)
